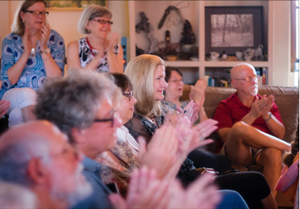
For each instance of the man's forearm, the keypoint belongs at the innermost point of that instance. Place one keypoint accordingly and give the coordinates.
(274, 125)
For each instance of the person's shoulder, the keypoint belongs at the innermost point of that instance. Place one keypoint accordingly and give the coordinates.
(11, 37)
(73, 44)
(229, 99)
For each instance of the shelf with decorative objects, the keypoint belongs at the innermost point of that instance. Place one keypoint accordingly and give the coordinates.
(199, 60)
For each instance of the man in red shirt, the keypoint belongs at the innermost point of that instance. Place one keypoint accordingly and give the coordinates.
(250, 126)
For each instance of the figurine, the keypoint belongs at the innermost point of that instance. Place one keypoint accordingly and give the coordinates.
(249, 54)
(148, 28)
(167, 12)
(188, 36)
(258, 53)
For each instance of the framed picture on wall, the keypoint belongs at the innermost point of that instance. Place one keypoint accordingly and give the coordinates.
(233, 28)
(72, 5)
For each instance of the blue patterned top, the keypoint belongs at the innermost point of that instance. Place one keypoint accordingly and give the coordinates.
(34, 72)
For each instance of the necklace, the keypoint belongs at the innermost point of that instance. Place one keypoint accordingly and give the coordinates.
(32, 52)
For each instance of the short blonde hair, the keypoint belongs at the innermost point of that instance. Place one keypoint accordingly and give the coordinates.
(89, 13)
(141, 71)
(18, 26)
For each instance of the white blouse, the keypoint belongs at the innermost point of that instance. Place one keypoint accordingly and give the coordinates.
(123, 134)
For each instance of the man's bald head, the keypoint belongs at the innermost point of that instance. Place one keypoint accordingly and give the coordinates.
(239, 70)
(21, 143)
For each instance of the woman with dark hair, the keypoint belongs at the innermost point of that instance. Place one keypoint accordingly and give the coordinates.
(96, 51)
(30, 54)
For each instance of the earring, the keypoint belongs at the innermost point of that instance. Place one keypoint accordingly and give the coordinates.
(88, 31)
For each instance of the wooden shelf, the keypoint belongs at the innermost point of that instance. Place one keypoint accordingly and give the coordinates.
(233, 63)
(197, 18)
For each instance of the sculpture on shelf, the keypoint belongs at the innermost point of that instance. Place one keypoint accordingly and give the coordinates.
(259, 53)
(188, 36)
(145, 26)
(167, 12)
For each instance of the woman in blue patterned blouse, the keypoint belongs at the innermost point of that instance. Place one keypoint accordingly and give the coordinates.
(30, 54)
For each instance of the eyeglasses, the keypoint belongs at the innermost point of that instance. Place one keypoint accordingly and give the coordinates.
(176, 81)
(248, 79)
(36, 13)
(102, 22)
(129, 95)
(107, 119)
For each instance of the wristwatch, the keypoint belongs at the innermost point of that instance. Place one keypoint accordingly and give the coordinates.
(270, 116)
(46, 51)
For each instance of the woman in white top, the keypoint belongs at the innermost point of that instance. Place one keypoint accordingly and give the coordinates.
(95, 51)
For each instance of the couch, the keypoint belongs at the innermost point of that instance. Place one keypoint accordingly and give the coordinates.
(287, 100)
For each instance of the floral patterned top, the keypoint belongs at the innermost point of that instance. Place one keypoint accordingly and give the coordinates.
(86, 55)
(33, 74)
(118, 172)
(168, 106)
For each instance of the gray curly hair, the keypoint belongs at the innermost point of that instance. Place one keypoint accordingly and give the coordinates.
(72, 102)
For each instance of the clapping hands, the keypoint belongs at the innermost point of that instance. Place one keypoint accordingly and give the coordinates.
(261, 106)
(145, 192)
(161, 152)
(45, 36)
(200, 194)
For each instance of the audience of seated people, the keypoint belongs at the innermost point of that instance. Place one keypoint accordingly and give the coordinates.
(145, 69)
(123, 130)
(250, 126)
(87, 115)
(31, 53)
(96, 51)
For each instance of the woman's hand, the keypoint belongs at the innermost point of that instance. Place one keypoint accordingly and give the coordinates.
(45, 36)
(198, 92)
(191, 111)
(4, 105)
(113, 41)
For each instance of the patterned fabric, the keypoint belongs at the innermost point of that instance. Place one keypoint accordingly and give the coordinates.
(168, 106)
(86, 56)
(33, 74)
(141, 126)
(118, 172)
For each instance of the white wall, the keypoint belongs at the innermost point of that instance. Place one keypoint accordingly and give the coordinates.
(4, 24)
(282, 75)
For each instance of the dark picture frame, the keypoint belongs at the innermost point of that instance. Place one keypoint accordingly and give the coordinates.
(243, 29)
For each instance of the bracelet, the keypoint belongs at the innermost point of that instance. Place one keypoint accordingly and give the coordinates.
(270, 116)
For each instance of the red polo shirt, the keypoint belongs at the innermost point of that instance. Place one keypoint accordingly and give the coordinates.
(232, 110)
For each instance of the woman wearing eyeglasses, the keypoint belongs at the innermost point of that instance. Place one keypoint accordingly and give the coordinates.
(31, 53)
(95, 51)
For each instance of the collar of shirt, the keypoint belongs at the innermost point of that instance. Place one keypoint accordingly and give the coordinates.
(124, 135)
(236, 102)
(91, 165)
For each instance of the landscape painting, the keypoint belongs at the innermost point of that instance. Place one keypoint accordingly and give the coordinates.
(232, 30)
(72, 5)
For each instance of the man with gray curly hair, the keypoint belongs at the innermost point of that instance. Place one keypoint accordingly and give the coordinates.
(82, 106)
